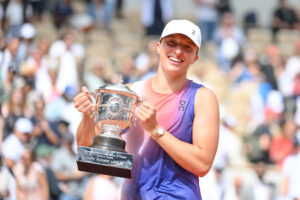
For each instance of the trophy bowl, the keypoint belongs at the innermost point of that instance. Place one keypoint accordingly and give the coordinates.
(113, 113)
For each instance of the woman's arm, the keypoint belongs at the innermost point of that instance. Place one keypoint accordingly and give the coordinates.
(197, 157)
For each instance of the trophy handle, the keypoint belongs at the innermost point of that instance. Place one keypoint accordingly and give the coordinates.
(93, 96)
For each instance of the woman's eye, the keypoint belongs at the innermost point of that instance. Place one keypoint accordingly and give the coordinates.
(171, 43)
(188, 48)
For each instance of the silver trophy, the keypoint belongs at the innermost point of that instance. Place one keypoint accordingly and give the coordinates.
(113, 113)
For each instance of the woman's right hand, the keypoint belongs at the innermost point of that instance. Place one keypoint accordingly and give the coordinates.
(83, 102)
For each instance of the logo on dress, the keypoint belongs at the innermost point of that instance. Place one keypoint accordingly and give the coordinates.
(181, 105)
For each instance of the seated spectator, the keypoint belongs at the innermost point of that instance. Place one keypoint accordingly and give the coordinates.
(147, 62)
(282, 144)
(289, 187)
(62, 11)
(31, 178)
(94, 78)
(229, 39)
(27, 43)
(63, 163)
(127, 69)
(250, 20)
(207, 18)
(284, 17)
(14, 145)
(5, 179)
(44, 156)
(45, 131)
(271, 65)
(15, 108)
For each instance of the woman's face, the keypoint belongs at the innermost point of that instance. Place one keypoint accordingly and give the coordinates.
(17, 97)
(177, 52)
(27, 158)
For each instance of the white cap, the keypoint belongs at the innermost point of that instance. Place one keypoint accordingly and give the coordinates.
(24, 125)
(27, 31)
(184, 27)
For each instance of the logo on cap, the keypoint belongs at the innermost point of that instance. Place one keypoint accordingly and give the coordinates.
(193, 32)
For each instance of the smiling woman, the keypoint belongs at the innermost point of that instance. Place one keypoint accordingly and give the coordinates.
(176, 135)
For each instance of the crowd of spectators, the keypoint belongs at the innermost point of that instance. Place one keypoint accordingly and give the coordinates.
(258, 157)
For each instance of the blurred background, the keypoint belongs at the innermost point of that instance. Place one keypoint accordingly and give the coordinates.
(250, 57)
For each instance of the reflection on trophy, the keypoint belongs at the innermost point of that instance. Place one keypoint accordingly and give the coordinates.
(113, 114)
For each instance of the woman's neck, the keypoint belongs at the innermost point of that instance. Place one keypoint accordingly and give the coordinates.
(165, 84)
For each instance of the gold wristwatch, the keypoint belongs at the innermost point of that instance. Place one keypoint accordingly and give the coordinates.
(160, 131)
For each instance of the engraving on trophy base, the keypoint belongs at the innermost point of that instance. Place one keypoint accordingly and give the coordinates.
(102, 161)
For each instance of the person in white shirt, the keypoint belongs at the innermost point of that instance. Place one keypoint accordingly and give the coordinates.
(13, 146)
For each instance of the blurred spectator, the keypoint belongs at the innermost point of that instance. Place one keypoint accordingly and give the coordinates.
(102, 12)
(38, 7)
(15, 108)
(146, 62)
(119, 9)
(8, 63)
(155, 13)
(261, 189)
(285, 17)
(45, 131)
(127, 69)
(27, 44)
(2, 18)
(16, 17)
(5, 180)
(272, 65)
(31, 66)
(258, 144)
(31, 178)
(229, 39)
(290, 170)
(247, 69)
(67, 43)
(215, 185)
(282, 144)
(56, 110)
(63, 127)
(1, 131)
(62, 11)
(94, 78)
(46, 74)
(224, 6)
(64, 166)
(14, 145)
(207, 18)
(44, 156)
(67, 66)
(70, 55)
(290, 72)
(101, 187)
(250, 20)
(230, 150)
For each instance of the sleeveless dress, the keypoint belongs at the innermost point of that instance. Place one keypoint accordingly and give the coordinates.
(155, 175)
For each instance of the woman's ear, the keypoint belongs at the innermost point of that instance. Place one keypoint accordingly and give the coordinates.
(158, 47)
(195, 59)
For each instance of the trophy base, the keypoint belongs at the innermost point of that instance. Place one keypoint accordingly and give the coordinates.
(103, 161)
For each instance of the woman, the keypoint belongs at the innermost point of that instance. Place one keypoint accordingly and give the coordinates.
(31, 178)
(176, 136)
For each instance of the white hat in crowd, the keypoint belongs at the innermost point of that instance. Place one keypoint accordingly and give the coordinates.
(27, 31)
(184, 27)
(24, 125)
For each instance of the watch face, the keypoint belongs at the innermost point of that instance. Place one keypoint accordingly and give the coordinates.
(160, 131)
